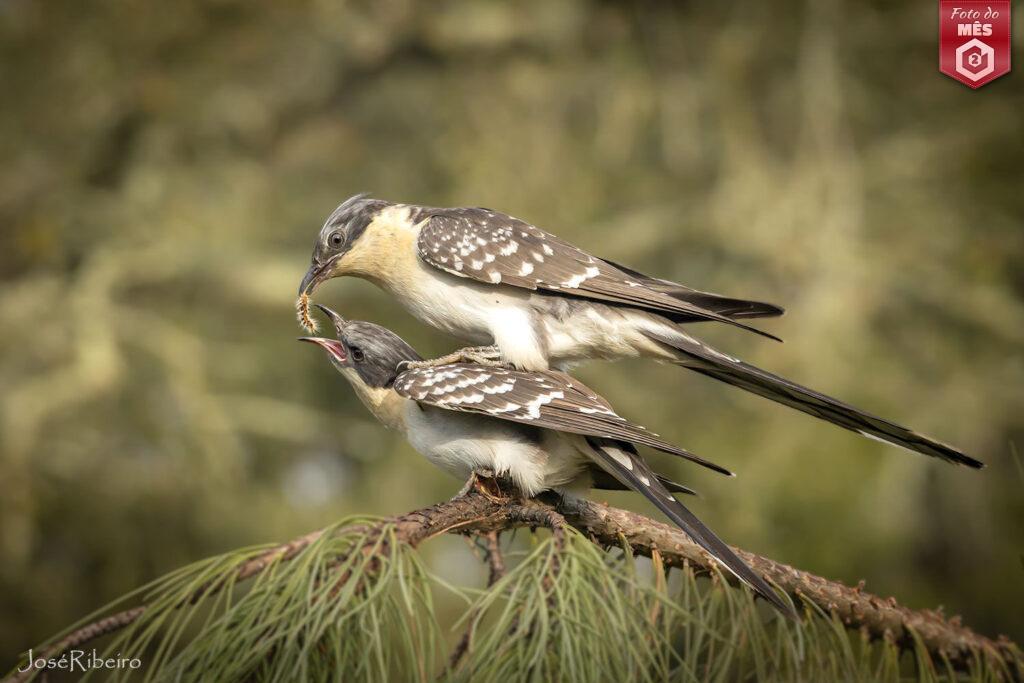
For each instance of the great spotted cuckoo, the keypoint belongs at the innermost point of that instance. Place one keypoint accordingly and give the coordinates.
(540, 303)
(541, 429)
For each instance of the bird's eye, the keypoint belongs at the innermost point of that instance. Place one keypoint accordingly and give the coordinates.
(336, 239)
(357, 355)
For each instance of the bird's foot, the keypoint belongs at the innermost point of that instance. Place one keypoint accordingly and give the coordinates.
(482, 481)
(480, 355)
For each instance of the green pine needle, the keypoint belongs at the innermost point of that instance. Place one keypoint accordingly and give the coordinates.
(358, 605)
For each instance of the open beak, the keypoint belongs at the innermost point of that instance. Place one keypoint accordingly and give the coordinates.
(337, 320)
(332, 346)
(316, 274)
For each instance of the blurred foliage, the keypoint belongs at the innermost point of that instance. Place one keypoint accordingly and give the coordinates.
(166, 169)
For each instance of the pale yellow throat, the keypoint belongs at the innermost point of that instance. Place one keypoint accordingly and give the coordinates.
(385, 404)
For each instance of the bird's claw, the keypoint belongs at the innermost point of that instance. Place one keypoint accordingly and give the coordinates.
(483, 481)
(479, 355)
(483, 355)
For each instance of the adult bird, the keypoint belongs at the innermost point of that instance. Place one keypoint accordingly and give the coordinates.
(543, 430)
(539, 302)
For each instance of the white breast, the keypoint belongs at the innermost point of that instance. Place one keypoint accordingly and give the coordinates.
(533, 331)
(475, 313)
(460, 443)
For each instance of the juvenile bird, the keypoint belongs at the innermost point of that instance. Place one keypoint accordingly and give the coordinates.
(539, 302)
(542, 429)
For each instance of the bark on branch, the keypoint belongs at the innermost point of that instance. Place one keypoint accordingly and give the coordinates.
(483, 508)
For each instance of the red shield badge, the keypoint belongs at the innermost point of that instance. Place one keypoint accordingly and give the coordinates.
(974, 40)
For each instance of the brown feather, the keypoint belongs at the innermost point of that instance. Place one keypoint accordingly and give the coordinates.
(550, 400)
(491, 247)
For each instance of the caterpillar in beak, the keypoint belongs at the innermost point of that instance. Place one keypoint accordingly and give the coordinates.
(302, 313)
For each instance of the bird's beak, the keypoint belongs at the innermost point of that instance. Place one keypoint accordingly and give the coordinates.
(317, 273)
(332, 346)
(337, 320)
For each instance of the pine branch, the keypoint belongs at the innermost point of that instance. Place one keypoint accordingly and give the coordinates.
(495, 559)
(92, 631)
(880, 618)
(115, 622)
(484, 509)
(496, 565)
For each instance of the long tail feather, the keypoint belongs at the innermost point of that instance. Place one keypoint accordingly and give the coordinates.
(602, 481)
(707, 361)
(634, 473)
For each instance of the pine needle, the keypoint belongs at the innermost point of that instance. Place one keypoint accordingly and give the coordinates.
(357, 604)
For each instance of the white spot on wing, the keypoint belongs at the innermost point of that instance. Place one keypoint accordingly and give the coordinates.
(577, 280)
(574, 281)
(602, 411)
(507, 408)
(499, 389)
(533, 407)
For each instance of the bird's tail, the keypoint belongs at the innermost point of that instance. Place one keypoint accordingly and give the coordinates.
(602, 481)
(624, 464)
(694, 355)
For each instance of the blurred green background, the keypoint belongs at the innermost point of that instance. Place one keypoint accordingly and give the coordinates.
(166, 168)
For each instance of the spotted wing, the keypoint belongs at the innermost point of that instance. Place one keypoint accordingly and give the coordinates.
(549, 400)
(494, 248)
